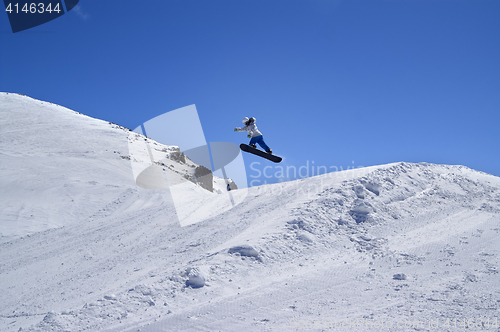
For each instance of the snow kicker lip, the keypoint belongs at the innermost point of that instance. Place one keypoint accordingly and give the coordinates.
(27, 14)
(181, 132)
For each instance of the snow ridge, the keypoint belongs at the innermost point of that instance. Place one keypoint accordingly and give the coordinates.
(403, 243)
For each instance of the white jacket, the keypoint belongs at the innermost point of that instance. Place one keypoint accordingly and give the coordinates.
(251, 128)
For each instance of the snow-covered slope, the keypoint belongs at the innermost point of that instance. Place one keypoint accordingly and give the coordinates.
(57, 166)
(60, 167)
(392, 247)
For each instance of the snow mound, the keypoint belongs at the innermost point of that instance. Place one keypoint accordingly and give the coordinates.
(244, 250)
(195, 278)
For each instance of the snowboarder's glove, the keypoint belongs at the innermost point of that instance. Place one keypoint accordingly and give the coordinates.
(249, 136)
(235, 129)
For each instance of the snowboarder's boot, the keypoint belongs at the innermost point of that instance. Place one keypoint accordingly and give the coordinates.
(270, 151)
(253, 146)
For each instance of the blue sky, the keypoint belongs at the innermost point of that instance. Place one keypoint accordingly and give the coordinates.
(332, 83)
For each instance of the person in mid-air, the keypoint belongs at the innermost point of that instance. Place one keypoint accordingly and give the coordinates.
(254, 134)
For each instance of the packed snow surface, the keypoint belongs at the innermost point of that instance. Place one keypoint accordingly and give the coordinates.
(398, 247)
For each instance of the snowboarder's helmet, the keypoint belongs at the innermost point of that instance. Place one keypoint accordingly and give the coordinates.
(245, 120)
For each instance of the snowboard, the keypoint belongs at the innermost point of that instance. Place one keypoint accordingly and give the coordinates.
(260, 153)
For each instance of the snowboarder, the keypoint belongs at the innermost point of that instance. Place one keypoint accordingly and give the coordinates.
(254, 134)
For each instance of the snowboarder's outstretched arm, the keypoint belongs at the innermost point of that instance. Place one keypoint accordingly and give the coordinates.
(241, 129)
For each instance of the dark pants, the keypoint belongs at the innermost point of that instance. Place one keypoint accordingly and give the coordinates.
(260, 141)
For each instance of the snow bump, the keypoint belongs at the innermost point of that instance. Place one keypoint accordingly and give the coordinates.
(244, 250)
(195, 278)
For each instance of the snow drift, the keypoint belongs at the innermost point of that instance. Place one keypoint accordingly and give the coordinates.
(391, 247)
